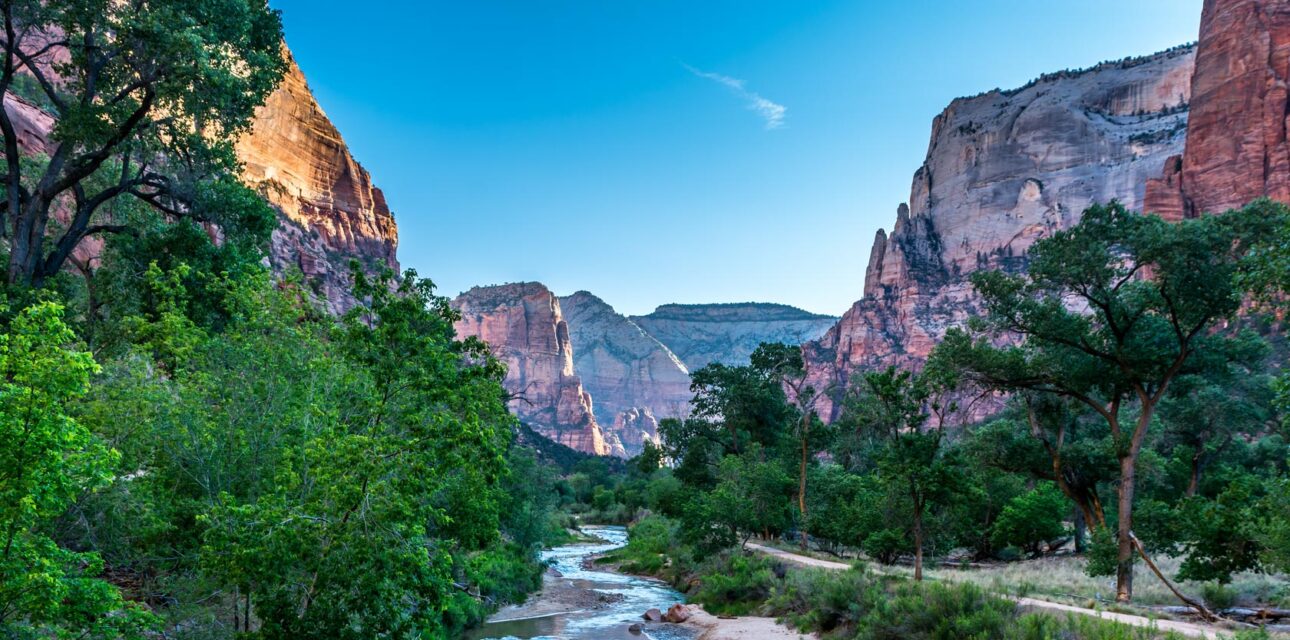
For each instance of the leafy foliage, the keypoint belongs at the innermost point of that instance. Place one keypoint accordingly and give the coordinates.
(48, 460)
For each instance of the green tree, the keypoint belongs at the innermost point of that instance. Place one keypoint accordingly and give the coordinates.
(1113, 311)
(1273, 528)
(360, 536)
(1050, 438)
(1203, 418)
(752, 496)
(48, 459)
(783, 363)
(149, 98)
(894, 408)
(1031, 519)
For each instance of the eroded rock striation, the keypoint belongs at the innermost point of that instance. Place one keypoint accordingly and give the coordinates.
(700, 334)
(634, 379)
(1237, 148)
(1004, 169)
(524, 325)
(331, 211)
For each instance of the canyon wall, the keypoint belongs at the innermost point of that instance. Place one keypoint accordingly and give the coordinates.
(1236, 149)
(295, 157)
(634, 379)
(1004, 169)
(700, 334)
(524, 325)
(331, 211)
(600, 382)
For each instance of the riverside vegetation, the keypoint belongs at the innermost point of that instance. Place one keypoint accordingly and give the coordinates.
(1142, 426)
(193, 449)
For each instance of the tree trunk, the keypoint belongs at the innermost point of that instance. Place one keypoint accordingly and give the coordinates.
(1081, 526)
(801, 483)
(918, 543)
(1124, 557)
(1191, 602)
(1193, 483)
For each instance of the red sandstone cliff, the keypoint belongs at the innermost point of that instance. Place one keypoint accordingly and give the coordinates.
(331, 211)
(1004, 169)
(635, 380)
(525, 327)
(1237, 147)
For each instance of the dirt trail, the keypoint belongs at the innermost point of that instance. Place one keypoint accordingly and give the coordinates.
(1185, 628)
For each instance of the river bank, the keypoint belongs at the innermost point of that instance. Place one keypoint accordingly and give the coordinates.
(582, 600)
(711, 627)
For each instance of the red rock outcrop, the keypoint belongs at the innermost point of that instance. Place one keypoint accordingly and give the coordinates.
(634, 378)
(331, 211)
(525, 327)
(296, 158)
(1004, 169)
(32, 125)
(1237, 147)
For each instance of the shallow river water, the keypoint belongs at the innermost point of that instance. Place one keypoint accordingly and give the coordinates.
(602, 622)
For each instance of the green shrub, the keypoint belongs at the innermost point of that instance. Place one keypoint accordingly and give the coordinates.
(1031, 519)
(1039, 626)
(821, 600)
(915, 611)
(886, 545)
(1218, 596)
(735, 584)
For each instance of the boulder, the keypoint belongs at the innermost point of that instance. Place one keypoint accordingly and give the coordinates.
(678, 613)
(653, 615)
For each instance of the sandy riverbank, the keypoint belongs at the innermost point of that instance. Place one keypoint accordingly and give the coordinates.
(742, 628)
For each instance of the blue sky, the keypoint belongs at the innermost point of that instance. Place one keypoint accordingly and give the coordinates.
(674, 150)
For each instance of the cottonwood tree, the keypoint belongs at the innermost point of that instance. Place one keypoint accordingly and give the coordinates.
(1048, 438)
(896, 409)
(1112, 312)
(148, 97)
(1203, 418)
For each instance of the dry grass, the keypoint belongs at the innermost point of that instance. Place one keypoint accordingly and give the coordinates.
(1064, 577)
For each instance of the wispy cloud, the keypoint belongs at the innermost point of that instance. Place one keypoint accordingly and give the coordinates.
(772, 112)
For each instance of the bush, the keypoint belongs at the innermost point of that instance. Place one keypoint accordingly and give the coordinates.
(736, 584)
(1031, 519)
(825, 600)
(649, 544)
(1218, 596)
(886, 545)
(1038, 626)
(915, 611)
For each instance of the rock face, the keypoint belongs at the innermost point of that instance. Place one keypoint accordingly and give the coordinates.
(1237, 147)
(525, 326)
(634, 379)
(728, 333)
(32, 125)
(1004, 169)
(331, 211)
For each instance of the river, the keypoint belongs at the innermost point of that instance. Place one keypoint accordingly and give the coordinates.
(590, 604)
